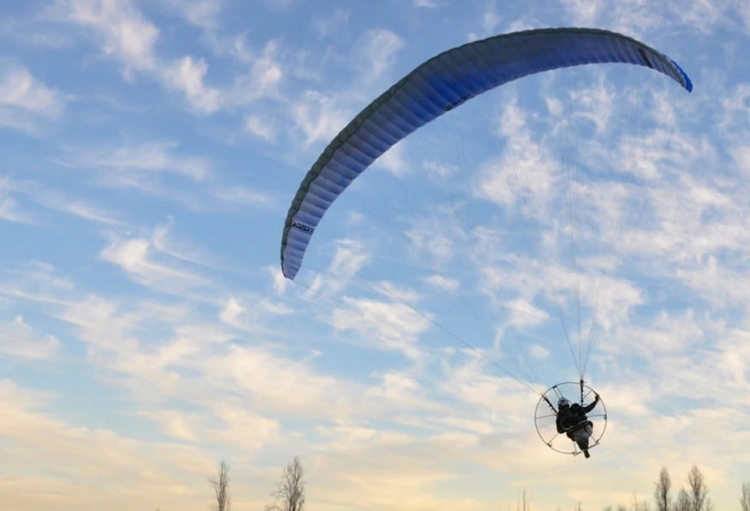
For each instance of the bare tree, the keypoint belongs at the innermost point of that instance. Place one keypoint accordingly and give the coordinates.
(661, 493)
(220, 485)
(638, 505)
(745, 498)
(521, 503)
(683, 502)
(290, 490)
(698, 491)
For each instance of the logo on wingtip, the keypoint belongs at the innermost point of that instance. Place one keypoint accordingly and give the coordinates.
(302, 227)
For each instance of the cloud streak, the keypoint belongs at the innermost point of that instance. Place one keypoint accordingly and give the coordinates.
(25, 102)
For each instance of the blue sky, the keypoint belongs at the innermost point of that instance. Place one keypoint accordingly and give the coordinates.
(151, 151)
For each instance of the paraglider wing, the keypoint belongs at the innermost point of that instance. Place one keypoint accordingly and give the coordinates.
(436, 87)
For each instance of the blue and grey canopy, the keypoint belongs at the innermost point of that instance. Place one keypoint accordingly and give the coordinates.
(436, 87)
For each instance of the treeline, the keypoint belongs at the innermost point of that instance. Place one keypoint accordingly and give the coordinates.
(289, 494)
(694, 497)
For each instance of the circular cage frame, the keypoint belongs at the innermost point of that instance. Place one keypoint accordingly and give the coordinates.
(546, 409)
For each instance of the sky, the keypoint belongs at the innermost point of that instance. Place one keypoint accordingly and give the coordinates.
(583, 222)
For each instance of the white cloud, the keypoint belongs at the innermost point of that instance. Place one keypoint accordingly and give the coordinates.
(328, 25)
(320, 117)
(608, 298)
(49, 199)
(247, 314)
(261, 127)
(19, 89)
(231, 313)
(127, 36)
(399, 388)
(498, 398)
(175, 424)
(741, 157)
(200, 362)
(394, 160)
(689, 225)
(10, 212)
(167, 243)
(88, 459)
(408, 487)
(262, 74)
(376, 53)
(491, 18)
(437, 245)
(243, 196)
(666, 335)
(187, 75)
(635, 17)
(583, 12)
(201, 13)
(79, 208)
(279, 282)
(346, 438)
(30, 31)
(134, 163)
(390, 290)
(703, 14)
(392, 326)
(350, 257)
(525, 170)
(736, 107)
(644, 156)
(101, 323)
(139, 258)
(276, 383)
(39, 282)
(18, 339)
(594, 103)
(538, 352)
(523, 313)
(25, 102)
(274, 308)
(442, 282)
(240, 421)
(632, 17)
(437, 239)
(265, 73)
(439, 170)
